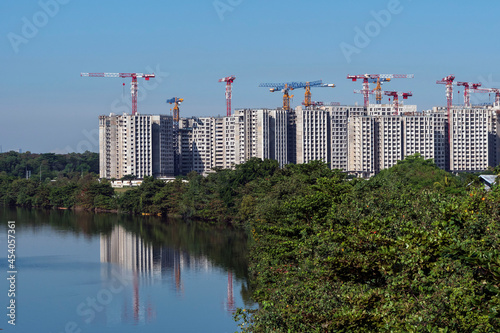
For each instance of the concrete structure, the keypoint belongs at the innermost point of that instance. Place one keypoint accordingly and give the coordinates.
(362, 158)
(229, 136)
(139, 145)
(440, 128)
(278, 136)
(312, 135)
(418, 135)
(469, 142)
(388, 110)
(197, 137)
(355, 139)
(493, 139)
(253, 134)
(376, 143)
(338, 118)
(389, 141)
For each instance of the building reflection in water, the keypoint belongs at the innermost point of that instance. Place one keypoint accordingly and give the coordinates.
(148, 264)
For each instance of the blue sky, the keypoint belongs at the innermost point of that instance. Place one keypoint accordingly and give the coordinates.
(46, 105)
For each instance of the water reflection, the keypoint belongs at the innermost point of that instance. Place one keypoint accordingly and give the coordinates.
(149, 264)
(112, 272)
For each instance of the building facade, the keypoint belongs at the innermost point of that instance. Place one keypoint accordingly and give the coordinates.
(312, 135)
(362, 159)
(469, 142)
(138, 145)
(351, 138)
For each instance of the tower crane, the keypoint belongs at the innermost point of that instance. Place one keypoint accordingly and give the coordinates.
(133, 85)
(307, 96)
(287, 86)
(395, 99)
(229, 81)
(467, 86)
(448, 80)
(176, 101)
(489, 90)
(372, 78)
(394, 94)
(378, 91)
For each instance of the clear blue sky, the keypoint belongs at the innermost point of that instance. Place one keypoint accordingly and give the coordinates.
(46, 105)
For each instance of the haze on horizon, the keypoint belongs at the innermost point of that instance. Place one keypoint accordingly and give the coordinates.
(46, 44)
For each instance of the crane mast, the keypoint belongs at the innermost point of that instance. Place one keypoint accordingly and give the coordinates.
(448, 80)
(229, 81)
(467, 86)
(176, 101)
(395, 99)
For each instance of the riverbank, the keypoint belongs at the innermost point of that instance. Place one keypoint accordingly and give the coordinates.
(411, 247)
(69, 256)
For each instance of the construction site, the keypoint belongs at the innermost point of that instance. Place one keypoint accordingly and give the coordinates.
(360, 139)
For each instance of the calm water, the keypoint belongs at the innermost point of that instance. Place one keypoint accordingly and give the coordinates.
(83, 272)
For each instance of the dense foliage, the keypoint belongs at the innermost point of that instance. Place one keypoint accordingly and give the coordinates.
(408, 250)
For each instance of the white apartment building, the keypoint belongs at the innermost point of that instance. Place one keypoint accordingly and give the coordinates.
(253, 133)
(139, 145)
(338, 116)
(493, 136)
(217, 136)
(312, 134)
(418, 135)
(388, 109)
(361, 132)
(278, 136)
(389, 136)
(441, 146)
(196, 144)
(351, 138)
(230, 128)
(469, 139)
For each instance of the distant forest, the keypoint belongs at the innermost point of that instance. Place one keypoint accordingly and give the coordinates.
(48, 165)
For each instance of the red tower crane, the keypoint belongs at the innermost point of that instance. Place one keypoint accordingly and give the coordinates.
(133, 85)
(395, 99)
(449, 90)
(229, 81)
(373, 78)
(467, 86)
(489, 90)
(395, 96)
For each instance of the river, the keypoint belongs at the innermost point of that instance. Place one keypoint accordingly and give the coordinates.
(84, 272)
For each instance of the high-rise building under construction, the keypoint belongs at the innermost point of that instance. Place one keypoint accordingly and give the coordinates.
(138, 145)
